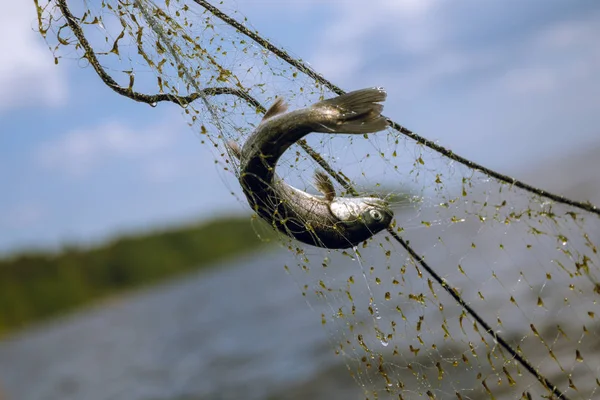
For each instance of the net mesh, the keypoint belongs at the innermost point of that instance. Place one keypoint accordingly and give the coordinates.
(527, 265)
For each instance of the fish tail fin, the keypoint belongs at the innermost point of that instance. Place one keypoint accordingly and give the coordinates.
(354, 112)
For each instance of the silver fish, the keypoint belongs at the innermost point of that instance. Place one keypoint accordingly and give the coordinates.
(323, 221)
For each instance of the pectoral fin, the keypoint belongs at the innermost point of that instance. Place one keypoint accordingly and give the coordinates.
(324, 185)
(278, 107)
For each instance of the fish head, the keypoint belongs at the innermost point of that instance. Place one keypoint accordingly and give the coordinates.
(370, 213)
(376, 214)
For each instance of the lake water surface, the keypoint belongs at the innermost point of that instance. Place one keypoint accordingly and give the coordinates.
(236, 331)
(244, 329)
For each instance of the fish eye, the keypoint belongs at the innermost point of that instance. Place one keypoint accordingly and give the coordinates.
(376, 215)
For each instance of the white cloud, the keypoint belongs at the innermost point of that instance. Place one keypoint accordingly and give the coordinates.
(27, 71)
(558, 58)
(567, 33)
(355, 29)
(78, 151)
(415, 47)
(530, 80)
(476, 78)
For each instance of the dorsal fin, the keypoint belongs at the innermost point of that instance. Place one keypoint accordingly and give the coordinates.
(324, 184)
(235, 148)
(278, 107)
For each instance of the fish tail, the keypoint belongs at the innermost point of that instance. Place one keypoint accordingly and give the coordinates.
(354, 112)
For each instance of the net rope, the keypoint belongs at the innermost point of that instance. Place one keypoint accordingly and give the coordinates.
(483, 287)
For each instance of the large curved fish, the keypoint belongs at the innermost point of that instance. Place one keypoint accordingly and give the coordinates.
(324, 221)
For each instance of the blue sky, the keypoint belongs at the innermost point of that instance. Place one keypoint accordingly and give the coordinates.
(507, 83)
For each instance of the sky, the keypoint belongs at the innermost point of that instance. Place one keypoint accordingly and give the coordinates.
(509, 84)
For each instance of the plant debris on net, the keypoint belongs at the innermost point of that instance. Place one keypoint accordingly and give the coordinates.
(510, 308)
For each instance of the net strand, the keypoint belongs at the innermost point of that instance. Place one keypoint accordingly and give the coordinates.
(153, 99)
(184, 100)
(452, 292)
(301, 66)
(314, 75)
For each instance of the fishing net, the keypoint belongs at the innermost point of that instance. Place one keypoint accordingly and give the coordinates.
(482, 288)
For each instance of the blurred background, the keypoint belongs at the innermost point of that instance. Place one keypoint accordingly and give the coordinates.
(130, 271)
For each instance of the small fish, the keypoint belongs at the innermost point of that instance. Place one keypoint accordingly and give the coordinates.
(323, 221)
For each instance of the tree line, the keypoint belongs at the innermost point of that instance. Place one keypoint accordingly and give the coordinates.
(36, 286)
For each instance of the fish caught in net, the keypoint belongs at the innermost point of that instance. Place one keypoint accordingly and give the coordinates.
(326, 221)
(482, 287)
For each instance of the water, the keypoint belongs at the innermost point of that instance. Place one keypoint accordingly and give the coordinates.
(240, 328)
(243, 330)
